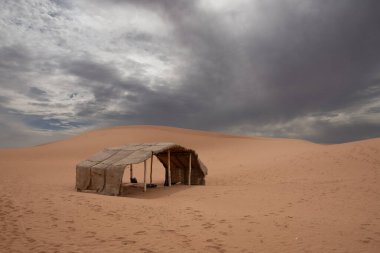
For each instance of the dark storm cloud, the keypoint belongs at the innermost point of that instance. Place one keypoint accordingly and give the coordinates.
(4, 99)
(307, 61)
(14, 58)
(38, 94)
(146, 105)
(375, 110)
(91, 70)
(63, 3)
(15, 61)
(207, 85)
(104, 80)
(332, 133)
(318, 61)
(48, 123)
(292, 68)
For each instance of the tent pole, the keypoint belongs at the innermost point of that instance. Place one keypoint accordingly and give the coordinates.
(169, 173)
(189, 180)
(151, 167)
(131, 170)
(145, 176)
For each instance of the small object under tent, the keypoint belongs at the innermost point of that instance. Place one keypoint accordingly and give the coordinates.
(103, 172)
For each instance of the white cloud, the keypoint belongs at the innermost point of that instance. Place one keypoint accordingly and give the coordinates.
(132, 40)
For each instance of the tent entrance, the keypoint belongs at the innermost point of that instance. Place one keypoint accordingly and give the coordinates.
(142, 176)
(148, 174)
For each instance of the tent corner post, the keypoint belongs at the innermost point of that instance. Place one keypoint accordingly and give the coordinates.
(189, 179)
(145, 176)
(169, 170)
(151, 168)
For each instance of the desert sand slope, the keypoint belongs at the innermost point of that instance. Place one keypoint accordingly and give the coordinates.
(262, 195)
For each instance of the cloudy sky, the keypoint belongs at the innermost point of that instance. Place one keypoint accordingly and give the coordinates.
(292, 68)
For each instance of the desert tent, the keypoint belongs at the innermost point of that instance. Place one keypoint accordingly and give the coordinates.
(103, 172)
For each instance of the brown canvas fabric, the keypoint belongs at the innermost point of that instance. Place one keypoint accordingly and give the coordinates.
(103, 171)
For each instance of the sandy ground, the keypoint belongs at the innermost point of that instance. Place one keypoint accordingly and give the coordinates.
(262, 195)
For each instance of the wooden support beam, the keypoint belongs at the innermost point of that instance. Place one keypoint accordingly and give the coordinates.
(189, 179)
(169, 173)
(145, 176)
(151, 168)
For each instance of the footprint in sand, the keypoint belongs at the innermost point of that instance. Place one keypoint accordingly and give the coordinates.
(167, 230)
(31, 240)
(90, 234)
(217, 248)
(367, 240)
(208, 225)
(145, 250)
(128, 242)
(142, 232)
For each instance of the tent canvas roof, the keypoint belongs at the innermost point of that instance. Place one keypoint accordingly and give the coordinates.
(131, 154)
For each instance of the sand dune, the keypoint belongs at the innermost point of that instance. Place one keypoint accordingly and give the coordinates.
(261, 195)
